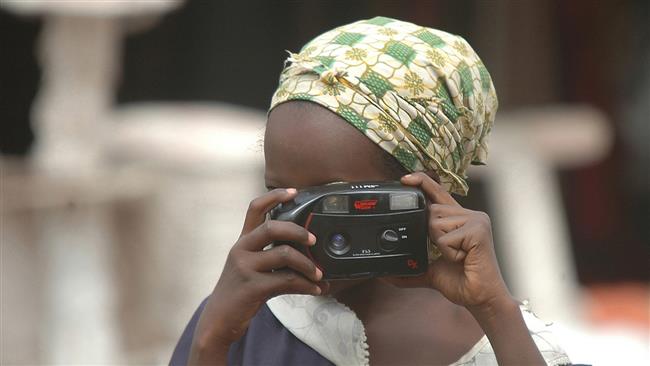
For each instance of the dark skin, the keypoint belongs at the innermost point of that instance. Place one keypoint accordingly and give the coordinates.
(431, 319)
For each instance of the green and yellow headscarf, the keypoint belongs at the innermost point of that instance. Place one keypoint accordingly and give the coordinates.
(421, 94)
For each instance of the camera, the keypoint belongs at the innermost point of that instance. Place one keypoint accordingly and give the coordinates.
(363, 230)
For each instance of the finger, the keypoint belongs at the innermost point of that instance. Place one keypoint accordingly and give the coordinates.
(454, 245)
(324, 287)
(439, 226)
(273, 230)
(431, 188)
(440, 210)
(258, 207)
(285, 256)
(286, 282)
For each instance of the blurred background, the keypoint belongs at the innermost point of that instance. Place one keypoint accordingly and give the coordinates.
(131, 145)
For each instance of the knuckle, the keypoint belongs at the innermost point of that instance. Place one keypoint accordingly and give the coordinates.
(246, 276)
(255, 205)
(483, 215)
(284, 252)
(308, 265)
(232, 257)
(238, 261)
(435, 209)
(269, 227)
(304, 233)
(238, 264)
(482, 224)
(433, 225)
(484, 218)
(436, 223)
(290, 277)
(240, 243)
(241, 271)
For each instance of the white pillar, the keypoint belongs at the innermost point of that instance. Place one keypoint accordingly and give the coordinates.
(79, 58)
(79, 306)
(527, 148)
(536, 247)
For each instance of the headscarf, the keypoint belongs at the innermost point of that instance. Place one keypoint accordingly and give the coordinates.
(421, 94)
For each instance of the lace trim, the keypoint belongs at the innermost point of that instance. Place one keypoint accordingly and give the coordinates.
(329, 327)
(334, 331)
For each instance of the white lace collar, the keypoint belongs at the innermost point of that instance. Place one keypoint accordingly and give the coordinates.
(336, 333)
(324, 324)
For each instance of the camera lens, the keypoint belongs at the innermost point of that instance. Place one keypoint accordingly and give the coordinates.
(338, 244)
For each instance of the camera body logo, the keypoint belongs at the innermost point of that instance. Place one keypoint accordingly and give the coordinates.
(364, 186)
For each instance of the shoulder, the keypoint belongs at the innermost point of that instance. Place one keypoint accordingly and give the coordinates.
(266, 342)
(541, 332)
(182, 350)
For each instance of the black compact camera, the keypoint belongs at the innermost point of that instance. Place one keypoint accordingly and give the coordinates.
(363, 230)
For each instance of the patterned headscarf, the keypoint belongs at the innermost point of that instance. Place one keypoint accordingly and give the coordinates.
(421, 94)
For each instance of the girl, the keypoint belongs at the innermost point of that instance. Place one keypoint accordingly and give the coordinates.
(371, 101)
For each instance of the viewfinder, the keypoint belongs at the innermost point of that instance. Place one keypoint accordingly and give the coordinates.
(336, 204)
(403, 201)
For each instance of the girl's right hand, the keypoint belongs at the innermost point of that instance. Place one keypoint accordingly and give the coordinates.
(252, 275)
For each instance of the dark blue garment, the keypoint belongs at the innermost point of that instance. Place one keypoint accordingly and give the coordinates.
(266, 342)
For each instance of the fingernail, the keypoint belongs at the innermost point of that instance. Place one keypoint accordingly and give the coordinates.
(317, 290)
(291, 190)
(319, 274)
(312, 239)
(407, 176)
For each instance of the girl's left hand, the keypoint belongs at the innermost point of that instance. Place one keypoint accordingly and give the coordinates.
(467, 273)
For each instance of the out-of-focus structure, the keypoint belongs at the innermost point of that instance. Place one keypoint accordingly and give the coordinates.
(119, 222)
(528, 146)
(80, 51)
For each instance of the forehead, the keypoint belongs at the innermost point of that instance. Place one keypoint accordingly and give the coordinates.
(306, 144)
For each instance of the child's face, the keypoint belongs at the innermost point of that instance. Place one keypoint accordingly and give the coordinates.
(307, 145)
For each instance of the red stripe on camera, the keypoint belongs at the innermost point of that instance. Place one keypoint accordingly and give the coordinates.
(365, 204)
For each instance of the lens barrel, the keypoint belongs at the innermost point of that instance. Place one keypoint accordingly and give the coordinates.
(338, 244)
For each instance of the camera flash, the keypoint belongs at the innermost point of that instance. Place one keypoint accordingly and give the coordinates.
(336, 204)
(403, 201)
